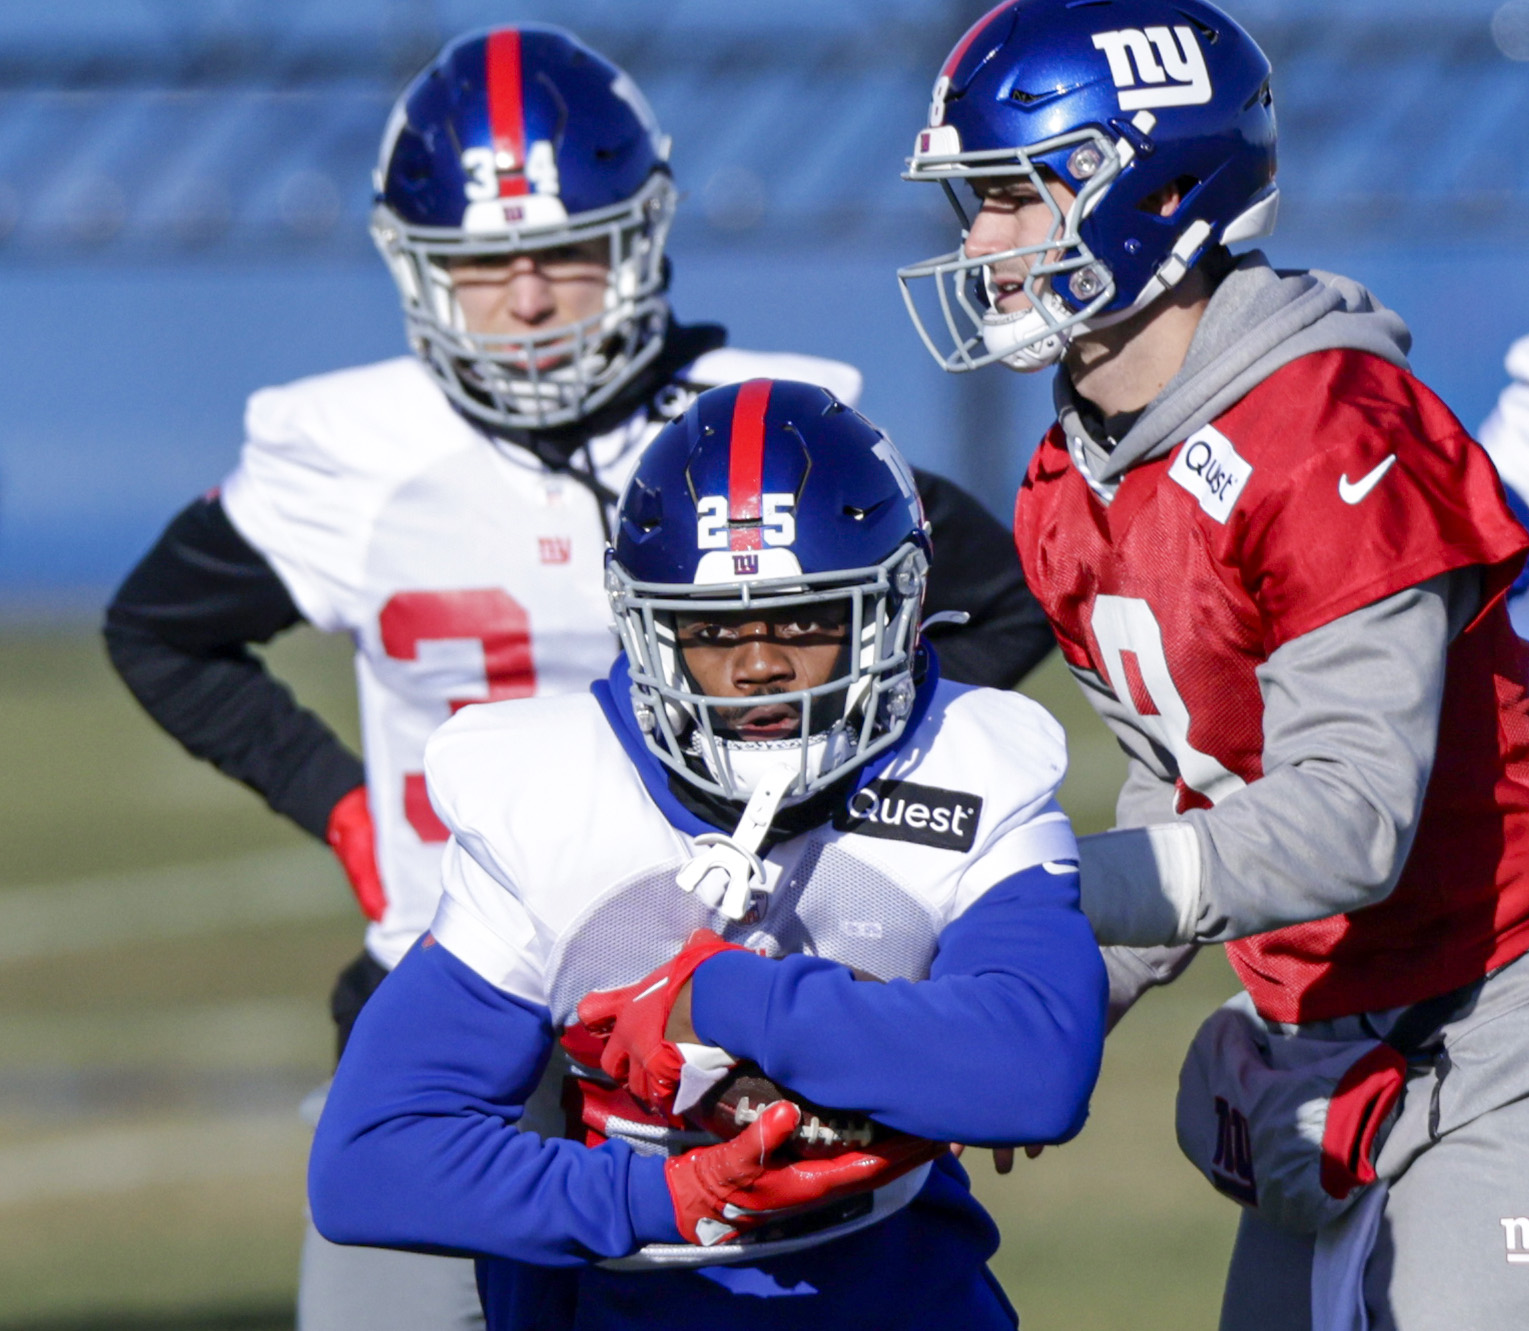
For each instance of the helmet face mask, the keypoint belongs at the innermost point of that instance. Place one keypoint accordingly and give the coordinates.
(517, 142)
(1036, 337)
(1118, 101)
(770, 503)
(844, 721)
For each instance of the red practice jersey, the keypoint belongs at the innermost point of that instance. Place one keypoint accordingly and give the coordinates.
(1338, 481)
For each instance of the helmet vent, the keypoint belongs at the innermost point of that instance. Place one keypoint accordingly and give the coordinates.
(1201, 26)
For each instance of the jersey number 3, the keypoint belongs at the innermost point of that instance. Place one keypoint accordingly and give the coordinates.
(486, 615)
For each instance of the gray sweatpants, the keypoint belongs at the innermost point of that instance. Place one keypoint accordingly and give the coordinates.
(1452, 1251)
(373, 1289)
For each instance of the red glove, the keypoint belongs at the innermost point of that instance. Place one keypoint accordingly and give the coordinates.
(632, 1022)
(351, 837)
(720, 1192)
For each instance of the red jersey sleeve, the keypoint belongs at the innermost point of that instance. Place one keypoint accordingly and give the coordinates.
(1369, 485)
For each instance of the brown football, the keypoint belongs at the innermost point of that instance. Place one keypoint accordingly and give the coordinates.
(736, 1101)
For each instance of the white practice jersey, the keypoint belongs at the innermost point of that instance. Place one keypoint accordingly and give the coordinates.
(560, 875)
(463, 569)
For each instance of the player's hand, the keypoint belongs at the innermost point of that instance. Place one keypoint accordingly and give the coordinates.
(354, 842)
(639, 1051)
(720, 1192)
(1003, 1156)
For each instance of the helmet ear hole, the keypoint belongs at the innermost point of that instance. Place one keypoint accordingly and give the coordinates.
(1166, 200)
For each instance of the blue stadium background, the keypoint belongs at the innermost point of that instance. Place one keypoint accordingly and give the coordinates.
(184, 190)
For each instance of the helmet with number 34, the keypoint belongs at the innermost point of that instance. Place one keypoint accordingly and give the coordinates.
(1113, 101)
(771, 496)
(524, 141)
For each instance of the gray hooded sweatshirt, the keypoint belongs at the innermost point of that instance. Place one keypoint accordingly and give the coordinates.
(1351, 709)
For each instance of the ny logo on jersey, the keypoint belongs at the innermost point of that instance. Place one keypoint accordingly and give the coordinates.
(1515, 1231)
(1156, 66)
(1232, 1168)
(555, 549)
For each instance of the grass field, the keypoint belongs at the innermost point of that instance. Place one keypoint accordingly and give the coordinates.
(165, 951)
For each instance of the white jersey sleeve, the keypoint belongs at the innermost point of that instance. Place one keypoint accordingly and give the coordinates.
(1025, 751)
(482, 918)
(321, 458)
(482, 921)
(1505, 433)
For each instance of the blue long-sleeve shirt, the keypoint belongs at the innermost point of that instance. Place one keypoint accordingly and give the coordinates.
(1000, 1045)
(419, 1145)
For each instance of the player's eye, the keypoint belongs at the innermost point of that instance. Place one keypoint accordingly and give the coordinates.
(563, 256)
(828, 624)
(704, 631)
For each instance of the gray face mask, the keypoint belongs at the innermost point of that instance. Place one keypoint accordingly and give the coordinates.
(844, 722)
(553, 376)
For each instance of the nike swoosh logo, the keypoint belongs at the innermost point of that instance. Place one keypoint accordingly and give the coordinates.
(1351, 492)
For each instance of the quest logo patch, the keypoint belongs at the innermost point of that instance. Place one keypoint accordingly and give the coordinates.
(1212, 470)
(903, 811)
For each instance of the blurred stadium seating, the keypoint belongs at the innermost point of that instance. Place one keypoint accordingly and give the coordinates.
(184, 189)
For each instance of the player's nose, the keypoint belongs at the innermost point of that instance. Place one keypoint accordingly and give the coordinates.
(761, 659)
(529, 296)
(990, 233)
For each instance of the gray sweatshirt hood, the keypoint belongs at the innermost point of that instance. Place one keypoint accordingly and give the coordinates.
(1258, 320)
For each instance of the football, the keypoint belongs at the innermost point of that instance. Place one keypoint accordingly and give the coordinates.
(737, 1100)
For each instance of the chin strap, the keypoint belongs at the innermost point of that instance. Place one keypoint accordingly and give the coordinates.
(728, 874)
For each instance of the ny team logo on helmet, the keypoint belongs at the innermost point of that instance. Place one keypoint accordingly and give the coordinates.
(1116, 101)
(771, 495)
(524, 141)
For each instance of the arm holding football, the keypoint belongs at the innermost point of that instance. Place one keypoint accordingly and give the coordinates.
(419, 1145)
(1001, 1044)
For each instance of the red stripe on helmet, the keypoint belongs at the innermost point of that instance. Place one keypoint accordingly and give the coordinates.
(972, 33)
(506, 110)
(745, 469)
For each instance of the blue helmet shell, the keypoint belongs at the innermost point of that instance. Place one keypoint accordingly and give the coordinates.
(1031, 70)
(540, 84)
(826, 477)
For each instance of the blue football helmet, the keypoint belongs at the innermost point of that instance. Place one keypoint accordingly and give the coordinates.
(771, 495)
(523, 140)
(1116, 100)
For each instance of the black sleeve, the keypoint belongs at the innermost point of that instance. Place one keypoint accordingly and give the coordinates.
(976, 569)
(177, 632)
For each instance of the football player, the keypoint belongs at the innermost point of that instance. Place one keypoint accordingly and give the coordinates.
(772, 834)
(449, 510)
(1276, 564)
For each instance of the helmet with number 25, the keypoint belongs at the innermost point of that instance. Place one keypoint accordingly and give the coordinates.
(1116, 101)
(524, 141)
(771, 496)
